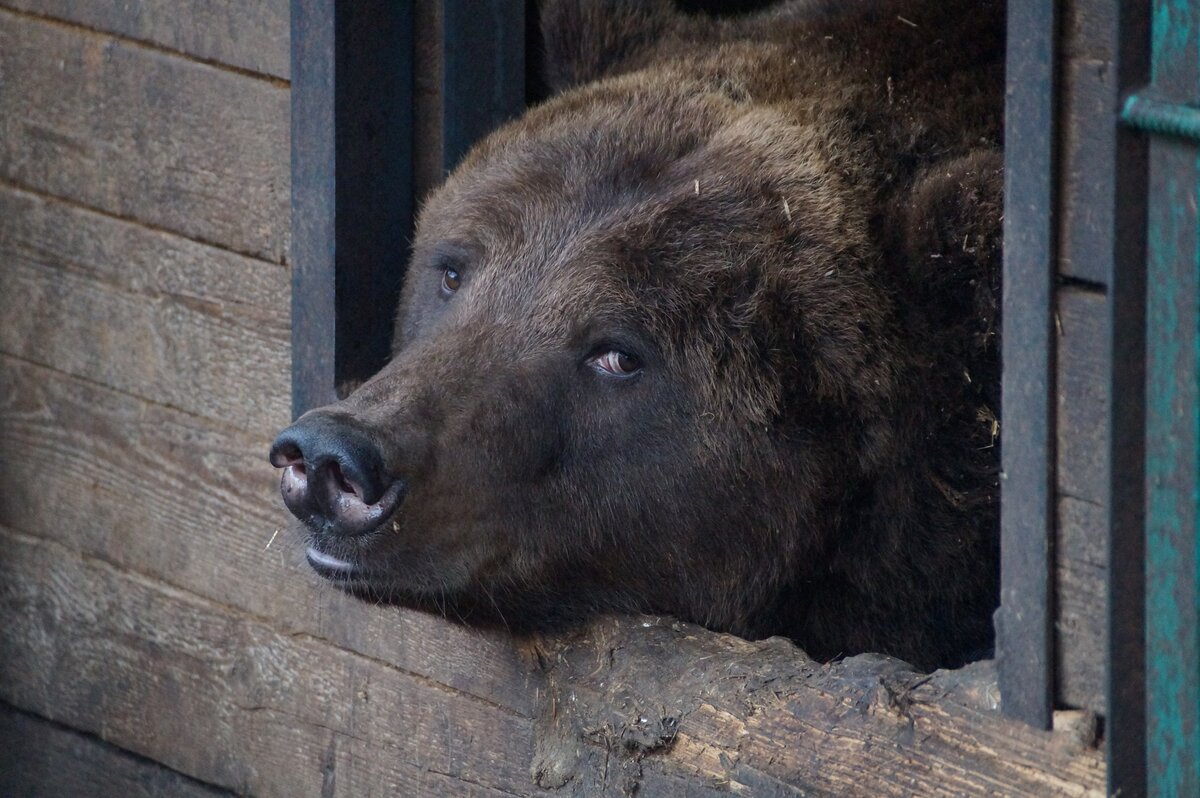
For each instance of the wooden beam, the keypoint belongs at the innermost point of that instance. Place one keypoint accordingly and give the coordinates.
(641, 696)
(1024, 622)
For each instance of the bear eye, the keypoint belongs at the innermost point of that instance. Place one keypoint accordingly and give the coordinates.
(616, 363)
(451, 280)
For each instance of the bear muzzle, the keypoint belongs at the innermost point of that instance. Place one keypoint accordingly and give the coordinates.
(334, 478)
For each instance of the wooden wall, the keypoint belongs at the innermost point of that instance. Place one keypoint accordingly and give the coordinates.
(146, 628)
(157, 637)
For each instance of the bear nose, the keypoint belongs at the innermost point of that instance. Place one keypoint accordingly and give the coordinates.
(333, 475)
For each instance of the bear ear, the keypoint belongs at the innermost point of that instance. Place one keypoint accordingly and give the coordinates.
(588, 39)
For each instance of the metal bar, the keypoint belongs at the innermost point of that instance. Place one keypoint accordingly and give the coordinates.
(1125, 682)
(483, 71)
(352, 201)
(1173, 420)
(313, 181)
(1024, 621)
(1163, 118)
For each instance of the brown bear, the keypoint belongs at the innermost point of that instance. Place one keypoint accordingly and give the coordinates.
(712, 332)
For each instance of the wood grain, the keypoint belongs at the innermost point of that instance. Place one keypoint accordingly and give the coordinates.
(169, 496)
(145, 312)
(145, 135)
(40, 759)
(1081, 554)
(633, 703)
(1082, 402)
(1081, 623)
(762, 719)
(227, 699)
(1089, 97)
(251, 36)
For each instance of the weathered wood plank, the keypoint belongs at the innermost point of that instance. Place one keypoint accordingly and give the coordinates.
(1081, 320)
(230, 701)
(164, 494)
(251, 36)
(142, 134)
(225, 698)
(762, 719)
(109, 474)
(39, 759)
(1081, 556)
(1088, 132)
(1081, 600)
(146, 312)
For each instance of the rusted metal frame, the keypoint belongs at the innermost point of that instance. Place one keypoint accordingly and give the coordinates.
(352, 202)
(483, 71)
(1024, 622)
(1167, 110)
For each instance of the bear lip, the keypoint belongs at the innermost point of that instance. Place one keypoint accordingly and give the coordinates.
(327, 565)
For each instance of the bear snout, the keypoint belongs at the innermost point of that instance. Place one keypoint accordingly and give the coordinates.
(334, 478)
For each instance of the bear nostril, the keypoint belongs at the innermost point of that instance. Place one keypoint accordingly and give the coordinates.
(334, 478)
(343, 484)
(286, 453)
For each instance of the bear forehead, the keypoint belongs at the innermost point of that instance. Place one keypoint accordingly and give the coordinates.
(645, 185)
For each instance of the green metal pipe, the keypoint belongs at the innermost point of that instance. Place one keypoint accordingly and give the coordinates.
(1162, 118)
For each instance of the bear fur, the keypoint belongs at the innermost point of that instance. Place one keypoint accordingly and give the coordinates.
(784, 229)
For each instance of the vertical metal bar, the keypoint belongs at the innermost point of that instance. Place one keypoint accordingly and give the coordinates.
(1173, 416)
(313, 182)
(483, 62)
(351, 188)
(1126, 683)
(1172, 449)
(1024, 642)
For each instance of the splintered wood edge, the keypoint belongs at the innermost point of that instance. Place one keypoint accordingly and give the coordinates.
(637, 696)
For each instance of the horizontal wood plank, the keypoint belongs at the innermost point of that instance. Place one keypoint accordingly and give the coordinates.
(167, 495)
(40, 759)
(145, 135)
(251, 36)
(1080, 545)
(145, 312)
(228, 700)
